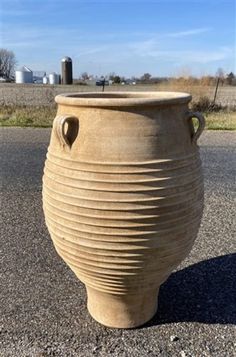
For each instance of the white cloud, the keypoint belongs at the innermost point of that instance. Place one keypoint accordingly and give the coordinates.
(154, 49)
(190, 32)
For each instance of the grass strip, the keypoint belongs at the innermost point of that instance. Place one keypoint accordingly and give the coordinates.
(42, 117)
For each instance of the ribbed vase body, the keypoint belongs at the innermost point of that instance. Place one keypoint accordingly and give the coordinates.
(123, 200)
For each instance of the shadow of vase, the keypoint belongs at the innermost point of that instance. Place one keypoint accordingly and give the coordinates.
(204, 292)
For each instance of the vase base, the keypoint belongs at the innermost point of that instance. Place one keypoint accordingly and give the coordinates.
(122, 311)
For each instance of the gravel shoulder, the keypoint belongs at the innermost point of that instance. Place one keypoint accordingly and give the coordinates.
(43, 305)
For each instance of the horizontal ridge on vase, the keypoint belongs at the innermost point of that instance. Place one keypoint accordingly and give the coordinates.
(123, 195)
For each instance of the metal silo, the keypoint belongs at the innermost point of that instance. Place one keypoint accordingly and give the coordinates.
(66, 70)
(53, 78)
(45, 79)
(24, 75)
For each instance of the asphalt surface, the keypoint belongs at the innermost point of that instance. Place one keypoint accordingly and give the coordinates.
(43, 305)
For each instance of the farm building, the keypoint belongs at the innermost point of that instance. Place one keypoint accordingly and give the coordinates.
(24, 75)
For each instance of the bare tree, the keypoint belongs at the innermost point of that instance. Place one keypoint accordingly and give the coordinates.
(84, 76)
(116, 79)
(7, 63)
(111, 76)
(231, 79)
(146, 77)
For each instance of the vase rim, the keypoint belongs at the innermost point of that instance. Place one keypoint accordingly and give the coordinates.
(122, 99)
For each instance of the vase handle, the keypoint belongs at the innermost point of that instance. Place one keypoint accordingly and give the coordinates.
(66, 136)
(201, 125)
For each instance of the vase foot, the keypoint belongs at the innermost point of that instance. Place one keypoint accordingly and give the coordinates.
(122, 311)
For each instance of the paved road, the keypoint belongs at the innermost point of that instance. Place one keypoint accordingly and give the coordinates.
(43, 305)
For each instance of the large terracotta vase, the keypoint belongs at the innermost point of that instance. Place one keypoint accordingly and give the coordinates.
(123, 195)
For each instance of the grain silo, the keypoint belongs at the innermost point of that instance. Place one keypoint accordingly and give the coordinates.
(66, 70)
(53, 78)
(24, 75)
(45, 79)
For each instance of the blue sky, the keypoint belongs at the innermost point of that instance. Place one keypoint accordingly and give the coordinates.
(162, 37)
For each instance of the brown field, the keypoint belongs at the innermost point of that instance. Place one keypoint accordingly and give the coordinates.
(34, 105)
(43, 95)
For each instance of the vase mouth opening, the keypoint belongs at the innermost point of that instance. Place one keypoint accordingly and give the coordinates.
(119, 99)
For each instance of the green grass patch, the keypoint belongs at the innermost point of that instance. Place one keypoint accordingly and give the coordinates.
(222, 120)
(26, 116)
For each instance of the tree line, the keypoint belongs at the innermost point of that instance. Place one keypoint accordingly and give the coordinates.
(147, 78)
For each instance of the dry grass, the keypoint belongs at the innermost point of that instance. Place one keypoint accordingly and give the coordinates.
(41, 95)
(195, 90)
